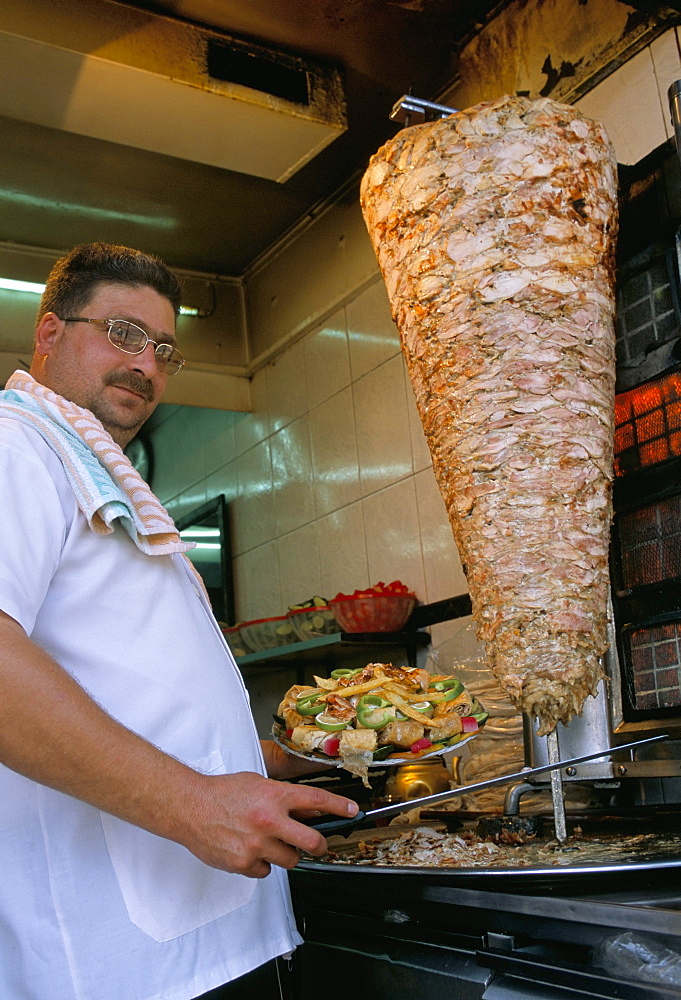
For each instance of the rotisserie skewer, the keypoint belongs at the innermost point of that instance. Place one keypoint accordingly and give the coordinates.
(329, 825)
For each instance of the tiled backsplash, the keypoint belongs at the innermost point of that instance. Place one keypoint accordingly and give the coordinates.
(329, 480)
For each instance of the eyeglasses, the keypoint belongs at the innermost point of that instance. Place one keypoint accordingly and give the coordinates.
(132, 339)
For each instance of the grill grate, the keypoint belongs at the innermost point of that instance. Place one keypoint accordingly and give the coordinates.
(653, 659)
(648, 424)
(650, 543)
(645, 312)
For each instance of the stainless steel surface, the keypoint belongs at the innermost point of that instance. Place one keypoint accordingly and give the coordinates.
(514, 795)
(446, 930)
(557, 796)
(647, 874)
(585, 734)
(600, 913)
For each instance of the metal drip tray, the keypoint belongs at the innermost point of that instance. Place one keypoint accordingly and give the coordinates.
(597, 860)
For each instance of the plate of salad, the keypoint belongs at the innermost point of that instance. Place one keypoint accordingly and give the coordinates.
(377, 715)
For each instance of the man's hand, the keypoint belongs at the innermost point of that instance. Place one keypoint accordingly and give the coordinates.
(245, 823)
(286, 766)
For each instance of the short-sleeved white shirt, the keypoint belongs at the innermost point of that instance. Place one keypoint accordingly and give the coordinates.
(92, 908)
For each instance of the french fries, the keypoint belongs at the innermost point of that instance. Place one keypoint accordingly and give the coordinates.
(394, 695)
(354, 689)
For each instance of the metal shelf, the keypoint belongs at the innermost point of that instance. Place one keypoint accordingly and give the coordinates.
(337, 647)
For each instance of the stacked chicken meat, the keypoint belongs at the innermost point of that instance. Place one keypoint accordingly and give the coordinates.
(495, 232)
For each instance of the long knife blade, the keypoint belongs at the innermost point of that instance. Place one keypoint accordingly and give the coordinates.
(332, 824)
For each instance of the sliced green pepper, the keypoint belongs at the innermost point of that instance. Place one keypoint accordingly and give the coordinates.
(344, 672)
(423, 706)
(309, 704)
(328, 723)
(367, 714)
(452, 694)
(452, 684)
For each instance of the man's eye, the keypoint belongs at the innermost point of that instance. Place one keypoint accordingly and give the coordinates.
(121, 330)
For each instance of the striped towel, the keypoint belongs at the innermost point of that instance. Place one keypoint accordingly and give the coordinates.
(104, 482)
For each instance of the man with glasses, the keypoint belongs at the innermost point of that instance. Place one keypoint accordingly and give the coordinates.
(142, 843)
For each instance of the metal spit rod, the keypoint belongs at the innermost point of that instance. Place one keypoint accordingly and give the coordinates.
(413, 110)
(557, 791)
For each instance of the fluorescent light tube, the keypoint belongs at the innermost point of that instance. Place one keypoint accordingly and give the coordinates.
(21, 286)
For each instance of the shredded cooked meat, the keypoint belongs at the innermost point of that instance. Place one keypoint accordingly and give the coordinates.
(495, 233)
(426, 847)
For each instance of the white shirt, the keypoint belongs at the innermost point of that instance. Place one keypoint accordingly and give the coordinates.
(92, 908)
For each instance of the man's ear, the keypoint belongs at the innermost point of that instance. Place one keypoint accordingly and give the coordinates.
(49, 332)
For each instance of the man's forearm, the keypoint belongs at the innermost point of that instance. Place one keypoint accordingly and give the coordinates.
(52, 731)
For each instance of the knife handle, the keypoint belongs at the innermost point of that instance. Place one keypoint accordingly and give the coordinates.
(328, 824)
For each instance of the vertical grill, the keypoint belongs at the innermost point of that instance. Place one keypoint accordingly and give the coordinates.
(646, 315)
(646, 541)
(647, 547)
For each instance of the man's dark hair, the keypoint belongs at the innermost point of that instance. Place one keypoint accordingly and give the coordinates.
(74, 278)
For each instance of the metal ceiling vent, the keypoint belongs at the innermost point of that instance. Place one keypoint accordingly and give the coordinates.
(113, 72)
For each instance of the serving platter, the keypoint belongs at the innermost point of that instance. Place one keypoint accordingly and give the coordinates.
(380, 760)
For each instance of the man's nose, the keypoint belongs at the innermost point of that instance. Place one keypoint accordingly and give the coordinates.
(146, 361)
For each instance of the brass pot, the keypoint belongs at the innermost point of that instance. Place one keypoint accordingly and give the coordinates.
(410, 781)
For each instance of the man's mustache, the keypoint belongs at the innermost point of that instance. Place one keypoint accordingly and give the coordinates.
(128, 380)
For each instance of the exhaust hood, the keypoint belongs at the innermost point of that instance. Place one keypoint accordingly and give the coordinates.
(113, 72)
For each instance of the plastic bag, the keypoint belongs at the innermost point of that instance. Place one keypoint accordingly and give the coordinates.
(640, 957)
(499, 747)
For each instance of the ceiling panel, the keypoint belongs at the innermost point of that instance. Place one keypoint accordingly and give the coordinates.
(58, 188)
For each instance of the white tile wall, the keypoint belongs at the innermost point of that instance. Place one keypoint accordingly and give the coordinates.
(299, 566)
(393, 540)
(342, 550)
(293, 498)
(335, 463)
(329, 479)
(253, 509)
(632, 102)
(257, 589)
(286, 387)
(372, 335)
(382, 426)
(327, 359)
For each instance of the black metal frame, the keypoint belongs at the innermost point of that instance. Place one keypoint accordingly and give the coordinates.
(217, 510)
(650, 604)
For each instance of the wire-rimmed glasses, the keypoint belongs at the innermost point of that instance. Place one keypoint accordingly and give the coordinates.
(132, 339)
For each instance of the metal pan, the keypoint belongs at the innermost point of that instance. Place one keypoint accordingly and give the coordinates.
(629, 867)
(653, 865)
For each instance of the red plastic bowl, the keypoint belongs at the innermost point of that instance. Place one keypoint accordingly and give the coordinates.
(382, 613)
